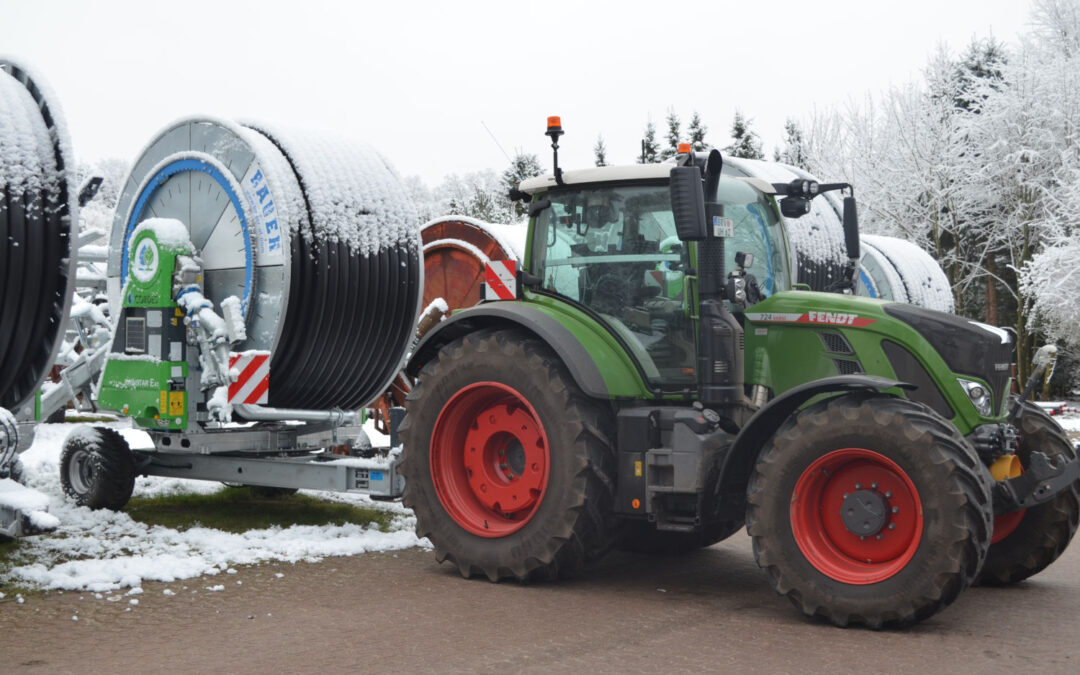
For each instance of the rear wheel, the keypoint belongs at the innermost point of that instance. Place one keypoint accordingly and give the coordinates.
(869, 511)
(1026, 542)
(97, 469)
(507, 465)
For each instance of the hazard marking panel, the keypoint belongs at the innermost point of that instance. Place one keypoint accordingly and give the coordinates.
(252, 370)
(500, 280)
(827, 318)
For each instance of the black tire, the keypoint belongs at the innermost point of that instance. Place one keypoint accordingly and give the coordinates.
(572, 523)
(97, 469)
(1046, 530)
(933, 465)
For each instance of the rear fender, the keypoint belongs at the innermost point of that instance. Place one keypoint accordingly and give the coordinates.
(600, 370)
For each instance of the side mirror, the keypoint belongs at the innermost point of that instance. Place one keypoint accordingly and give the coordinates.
(794, 207)
(851, 228)
(688, 203)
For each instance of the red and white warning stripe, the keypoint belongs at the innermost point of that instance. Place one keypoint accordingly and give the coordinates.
(500, 280)
(252, 372)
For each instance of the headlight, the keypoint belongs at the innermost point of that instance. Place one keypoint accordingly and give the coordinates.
(979, 395)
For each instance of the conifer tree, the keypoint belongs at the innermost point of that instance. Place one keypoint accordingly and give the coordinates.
(650, 151)
(600, 152)
(523, 165)
(794, 152)
(745, 143)
(674, 132)
(697, 131)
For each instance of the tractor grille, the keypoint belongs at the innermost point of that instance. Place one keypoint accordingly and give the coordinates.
(848, 366)
(836, 344)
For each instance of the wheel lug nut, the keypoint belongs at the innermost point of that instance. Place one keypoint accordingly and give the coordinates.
(873, 485)
(858, 486)
(510, 476)
(502, 466)
(878, 537)
(896, 509)
(888, 494)
(892, 526)
(502, 452)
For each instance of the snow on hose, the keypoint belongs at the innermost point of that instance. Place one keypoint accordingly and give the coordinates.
(904, 272)
(37, 212)
(313, 233)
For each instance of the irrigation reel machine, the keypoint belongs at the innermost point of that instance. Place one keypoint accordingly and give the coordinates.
(265, 286)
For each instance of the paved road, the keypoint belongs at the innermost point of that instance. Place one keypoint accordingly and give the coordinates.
(709, 611)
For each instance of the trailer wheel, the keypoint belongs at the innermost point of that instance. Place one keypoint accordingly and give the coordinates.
(97, 469)
(1026, 542)
(869, 511)
(507, 465)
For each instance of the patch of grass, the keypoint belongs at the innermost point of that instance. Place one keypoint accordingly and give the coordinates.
(242, 509)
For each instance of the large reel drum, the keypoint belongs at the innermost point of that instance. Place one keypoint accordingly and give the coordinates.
(38, 219)
(315, 235)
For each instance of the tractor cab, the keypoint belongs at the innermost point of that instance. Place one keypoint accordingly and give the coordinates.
(605, 239)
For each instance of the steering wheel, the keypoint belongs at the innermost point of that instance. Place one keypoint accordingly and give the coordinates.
(610, 294)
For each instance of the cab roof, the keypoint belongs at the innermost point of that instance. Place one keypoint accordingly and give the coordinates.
(609, 174)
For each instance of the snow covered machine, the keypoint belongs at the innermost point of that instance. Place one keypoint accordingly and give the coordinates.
(37, 212)
(266, 284)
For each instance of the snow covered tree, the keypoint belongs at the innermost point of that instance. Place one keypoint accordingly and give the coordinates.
(978, 164)
(523, 165)
(600, 152)
(745, 143)
(650, 151)
(673, 137)
(696, 131)
(97, 215)
(478, 194)
(794, 152)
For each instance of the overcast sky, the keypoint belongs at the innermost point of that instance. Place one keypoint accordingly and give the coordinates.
(416, 79)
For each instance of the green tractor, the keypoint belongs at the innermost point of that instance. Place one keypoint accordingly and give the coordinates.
(624, 391)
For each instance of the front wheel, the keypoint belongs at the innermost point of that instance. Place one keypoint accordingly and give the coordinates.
(97, 469)
(508, 466)
(869, 511)
(1026, 542)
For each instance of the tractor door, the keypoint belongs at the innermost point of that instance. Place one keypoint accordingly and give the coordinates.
(613, 250)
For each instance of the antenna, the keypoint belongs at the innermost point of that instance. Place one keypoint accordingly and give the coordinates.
(500, 147)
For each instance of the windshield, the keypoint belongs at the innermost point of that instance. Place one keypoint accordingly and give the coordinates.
(758, 231)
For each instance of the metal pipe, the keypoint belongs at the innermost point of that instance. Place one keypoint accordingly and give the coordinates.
(258, 413)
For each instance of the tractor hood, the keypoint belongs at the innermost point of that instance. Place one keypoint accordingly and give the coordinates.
(968, 347)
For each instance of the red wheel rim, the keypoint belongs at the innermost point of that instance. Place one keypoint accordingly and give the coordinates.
(489, 459)
(817, 518)
(1006, 524)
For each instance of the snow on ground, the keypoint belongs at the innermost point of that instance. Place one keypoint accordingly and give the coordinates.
(104, 550)
(1070, 422)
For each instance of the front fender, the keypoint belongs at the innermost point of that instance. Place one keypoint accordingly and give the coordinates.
(760, 428)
